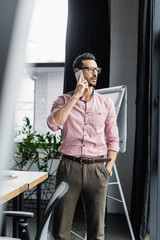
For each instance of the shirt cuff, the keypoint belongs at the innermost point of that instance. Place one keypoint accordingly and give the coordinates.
(52, 123)
(115, 148)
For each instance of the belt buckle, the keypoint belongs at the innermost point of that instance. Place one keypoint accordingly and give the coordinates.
(81, 159)
(91, 160)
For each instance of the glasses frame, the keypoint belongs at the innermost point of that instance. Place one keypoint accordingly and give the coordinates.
(91, 69)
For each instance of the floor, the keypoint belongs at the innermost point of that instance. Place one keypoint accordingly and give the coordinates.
(116, 227)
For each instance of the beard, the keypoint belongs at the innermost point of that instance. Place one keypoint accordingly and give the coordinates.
(92, 84)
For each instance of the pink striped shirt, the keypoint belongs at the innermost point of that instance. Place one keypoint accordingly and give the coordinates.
(90, 129)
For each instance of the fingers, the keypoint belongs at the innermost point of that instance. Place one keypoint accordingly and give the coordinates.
(83, 84)
(82, 80)
(80, 88)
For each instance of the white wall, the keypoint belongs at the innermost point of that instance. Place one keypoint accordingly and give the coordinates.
(123, 70)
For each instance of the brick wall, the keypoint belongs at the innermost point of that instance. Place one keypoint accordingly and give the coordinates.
(48, 86)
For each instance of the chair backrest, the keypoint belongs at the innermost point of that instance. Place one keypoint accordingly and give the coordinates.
(57, 195)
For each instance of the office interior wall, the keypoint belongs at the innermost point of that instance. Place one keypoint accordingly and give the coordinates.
(123, 70)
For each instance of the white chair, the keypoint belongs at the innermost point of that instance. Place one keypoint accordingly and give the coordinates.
(42, 233)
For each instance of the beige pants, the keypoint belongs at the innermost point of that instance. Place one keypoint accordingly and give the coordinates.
(89, 180)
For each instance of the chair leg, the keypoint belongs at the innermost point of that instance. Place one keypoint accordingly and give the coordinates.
(23, 232)
(3, 227)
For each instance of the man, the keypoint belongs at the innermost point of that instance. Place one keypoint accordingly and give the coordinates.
(89, 132)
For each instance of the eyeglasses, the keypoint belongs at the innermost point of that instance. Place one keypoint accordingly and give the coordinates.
(92, 69)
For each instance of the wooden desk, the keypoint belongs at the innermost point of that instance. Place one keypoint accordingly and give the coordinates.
(14, 187)
(24, 180)
(10, 192)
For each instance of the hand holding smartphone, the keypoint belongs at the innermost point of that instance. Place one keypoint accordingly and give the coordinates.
(77, 75)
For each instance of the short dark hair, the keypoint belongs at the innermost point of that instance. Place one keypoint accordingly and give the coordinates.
(85, 56)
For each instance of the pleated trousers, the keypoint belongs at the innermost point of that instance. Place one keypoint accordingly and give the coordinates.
(90, 181)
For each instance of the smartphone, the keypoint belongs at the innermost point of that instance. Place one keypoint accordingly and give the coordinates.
(77, 74)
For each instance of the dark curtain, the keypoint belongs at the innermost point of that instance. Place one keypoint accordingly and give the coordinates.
(154, 222)
(88, 30)
(141, 170)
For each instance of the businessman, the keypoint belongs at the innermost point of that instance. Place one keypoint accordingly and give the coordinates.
(90, 144)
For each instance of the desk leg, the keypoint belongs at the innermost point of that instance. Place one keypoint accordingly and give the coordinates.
(18, 205)
(38, 204)
(15, 208)
(21, 202)
(20, 208)
(3, 221)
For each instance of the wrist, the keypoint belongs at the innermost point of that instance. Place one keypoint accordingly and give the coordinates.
(109, 171)
(76, 96)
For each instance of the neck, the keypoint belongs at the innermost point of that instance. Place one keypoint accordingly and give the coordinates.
(87, 93)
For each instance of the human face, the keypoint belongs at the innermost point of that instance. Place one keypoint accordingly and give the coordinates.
(90, 76)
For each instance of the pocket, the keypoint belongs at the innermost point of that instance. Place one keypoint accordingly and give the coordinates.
(63, 168)
(102, 172)
(106, 172)
(97, 119)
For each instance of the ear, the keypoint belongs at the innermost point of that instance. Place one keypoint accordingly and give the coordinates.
(76, 70)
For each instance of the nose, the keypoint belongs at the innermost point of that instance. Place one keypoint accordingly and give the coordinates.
(95, 72)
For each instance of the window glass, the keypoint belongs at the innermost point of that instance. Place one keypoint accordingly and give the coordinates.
(39, 88)
(46, 41)
(46, 44)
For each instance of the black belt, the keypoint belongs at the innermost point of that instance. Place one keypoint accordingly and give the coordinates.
(84, 160)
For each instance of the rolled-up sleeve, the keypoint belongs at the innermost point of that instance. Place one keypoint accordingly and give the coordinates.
(111, 129)
(50, 119)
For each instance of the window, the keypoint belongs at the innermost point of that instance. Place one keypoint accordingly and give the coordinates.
(46, 41)
(46, 47)
(48, 86)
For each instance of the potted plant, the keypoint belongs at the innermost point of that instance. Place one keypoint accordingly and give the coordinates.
(36, 149)
(37, 152)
